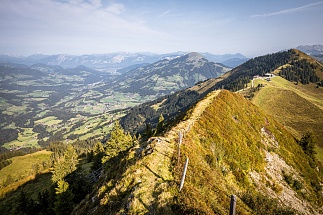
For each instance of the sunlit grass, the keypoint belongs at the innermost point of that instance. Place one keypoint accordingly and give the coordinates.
(21, 169)
(297, 107)
(13, 110)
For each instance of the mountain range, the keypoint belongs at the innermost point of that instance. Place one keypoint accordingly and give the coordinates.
(169, 75)
(30, 94)
(311, 49)
(316, 51)
(235, 80)
(113, 61)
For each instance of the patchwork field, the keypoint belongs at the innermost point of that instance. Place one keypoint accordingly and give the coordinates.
(58, 105)
(26, 138)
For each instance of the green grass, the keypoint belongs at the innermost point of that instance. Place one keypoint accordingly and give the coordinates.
(92, 126)
(30, 187)
(297, 107)
(41, 93)
(15, 110)
(3, 104)
(21, 166)
(49, 121)
(23, 170)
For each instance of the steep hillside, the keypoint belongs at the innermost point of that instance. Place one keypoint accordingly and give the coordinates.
(169, 75)
(233, 148)
(296, 101)
(236, 149)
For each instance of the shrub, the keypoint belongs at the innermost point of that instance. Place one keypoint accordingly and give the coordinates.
(293, 183)
(261, 204)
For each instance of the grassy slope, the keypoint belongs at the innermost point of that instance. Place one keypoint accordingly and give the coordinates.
(225, 144)
(21, 169)
(298, 107)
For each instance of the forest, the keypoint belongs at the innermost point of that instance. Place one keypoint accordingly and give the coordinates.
(244, 73)
(300, 71)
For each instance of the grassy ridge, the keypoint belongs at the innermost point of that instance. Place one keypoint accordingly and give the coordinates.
(228, 140)
(225, 146)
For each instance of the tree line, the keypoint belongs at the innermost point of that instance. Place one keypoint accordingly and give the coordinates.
(244, 73)
(300, 71)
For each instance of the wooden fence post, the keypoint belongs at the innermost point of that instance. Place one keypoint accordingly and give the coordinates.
(180, 139)
(233, 205)
(183, 175)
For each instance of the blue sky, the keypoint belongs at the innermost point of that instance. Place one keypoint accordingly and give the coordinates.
(250, 27)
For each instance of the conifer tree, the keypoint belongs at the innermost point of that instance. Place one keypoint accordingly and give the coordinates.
(118, 141)
(308, 142)
(66, 165)
(160, 125)
(64, 198)
(149, 131)
(23, 203)
(98, 148)
(98, 153)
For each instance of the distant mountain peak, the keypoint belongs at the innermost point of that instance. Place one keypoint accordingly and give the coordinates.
(194, 56)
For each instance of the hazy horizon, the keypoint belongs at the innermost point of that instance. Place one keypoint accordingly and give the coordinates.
(78, 27)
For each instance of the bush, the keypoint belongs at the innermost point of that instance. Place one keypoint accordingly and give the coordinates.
(293, 183)
(211, 160)
(297, 185)
(308, 142)
(261, 204)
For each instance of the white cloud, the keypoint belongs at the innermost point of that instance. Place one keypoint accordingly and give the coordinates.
(169, 13)
(165, 13)
(287, 11)
(115, 8)
(71, 24)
